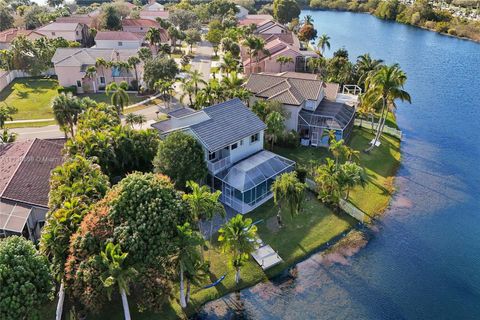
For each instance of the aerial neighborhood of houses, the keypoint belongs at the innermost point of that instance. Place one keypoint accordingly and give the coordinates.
(199, 99)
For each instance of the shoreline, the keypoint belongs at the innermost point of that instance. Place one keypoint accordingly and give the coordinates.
(393, 21)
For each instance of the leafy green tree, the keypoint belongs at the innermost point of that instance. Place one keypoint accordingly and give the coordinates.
(144, 54)
(184, 19)
(384, 87)
(324, 42)
(181, 157)
(285, 10)
(118, 95)
(196, 78)
(54, 3)
(118, 274)
(192, 36)
(66, 109)
(132, 119)
(214, 36)
(326, 180)
(160, 67)
(111, 19)
(6, 114)
(25, 279)
(388, 10)
(6, 18)
(307, 33)
(284, 60)
(153, 37)
(275, 126)
(34, 17)
(166, 88)
(237, 237)
(262, 108)
(91, 73)
(287, 189)
(188, 242)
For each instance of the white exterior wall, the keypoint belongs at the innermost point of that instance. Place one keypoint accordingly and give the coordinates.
(274, 30)
(291, 122)
(118, 44)
(67, 35)
(245, 148)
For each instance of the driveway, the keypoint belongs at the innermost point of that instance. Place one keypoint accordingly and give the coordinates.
(202, 61)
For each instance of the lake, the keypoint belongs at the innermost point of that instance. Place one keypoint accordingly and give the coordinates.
(423, 259)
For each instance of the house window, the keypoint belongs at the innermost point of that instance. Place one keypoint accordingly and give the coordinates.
(102, 80)
(76, 32)
(79, 83)
(120, 43)
(53, 33)
(234, 146)
(141, 28)
(212, 156)
(254, 138)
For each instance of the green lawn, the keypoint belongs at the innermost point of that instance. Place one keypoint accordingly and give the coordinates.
(301, 235)
(102, 97)
(31, 96)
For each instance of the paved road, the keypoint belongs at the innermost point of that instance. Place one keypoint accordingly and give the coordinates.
(203, 59)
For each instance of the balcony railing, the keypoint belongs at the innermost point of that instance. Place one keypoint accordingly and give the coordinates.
(219, 165)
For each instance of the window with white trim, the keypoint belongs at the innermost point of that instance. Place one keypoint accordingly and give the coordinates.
(234, 146)
(254, 137)
(212, 156)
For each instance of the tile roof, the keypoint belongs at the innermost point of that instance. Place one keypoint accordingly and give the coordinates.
(181, 112)
(154, 14)
(25, 170)
(284, 88)
(87, 56)
(8, 35)
(284, 37)
(275, 48)
(118, 35)
(227, 123)
(60, 26)
(85, 19)
(140, 23)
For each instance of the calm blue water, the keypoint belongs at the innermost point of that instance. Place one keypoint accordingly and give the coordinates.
(424, 261)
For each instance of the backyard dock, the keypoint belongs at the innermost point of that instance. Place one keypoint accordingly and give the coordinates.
(266, 257)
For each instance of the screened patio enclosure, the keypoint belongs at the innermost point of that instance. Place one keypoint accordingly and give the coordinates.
(247, 184)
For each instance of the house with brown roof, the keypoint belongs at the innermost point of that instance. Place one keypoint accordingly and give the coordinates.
(313, 107)
(71, 64)
(7, 36)
(25, 168)
(139, 25)
(118, 40)
(71, 31)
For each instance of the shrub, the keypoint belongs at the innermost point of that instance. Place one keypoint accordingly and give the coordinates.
(289, 139)
(71, 89)
(452, 32)
(301, 174)
(442, 26)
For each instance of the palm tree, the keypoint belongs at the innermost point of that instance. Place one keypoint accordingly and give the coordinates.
(229, 64)
(114, 259)
(385, 85)
(364, 66)
(237, 236)
(195, 276)
(90, 73)
(132, 119)
(165, 48)
(165, 87)
(232, 81)
(243, 94)
(287, 188)
(145, 54)
(101, 63)
(283, 60)
(337, 148)
(326, 180)
(6, 114)
(275, 126)
(118, 95)
(188, 242)
(318, 65)
(66, 109)
(196, 78)
(153, 37)
(308, 20)
(133, 61)
(251, 42)
(350, 175)
(203, 203)
(323, 42)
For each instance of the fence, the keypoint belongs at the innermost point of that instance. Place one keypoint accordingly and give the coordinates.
(343, 204)
(6, 77)
(373, 125)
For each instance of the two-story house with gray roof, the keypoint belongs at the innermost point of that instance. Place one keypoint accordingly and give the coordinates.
(232, 138)
(313, 106)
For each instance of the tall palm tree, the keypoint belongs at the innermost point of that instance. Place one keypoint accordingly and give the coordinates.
(188, 242)
(350, 176)
(237, 236)
(287, 188)
(132, 119)
(195, 276)
(318, 65)
(252, 43)
(153, 37)
(118, 95)
(229, 64)
(90, 73)
(145, 54)
(323, 42)
(283, 60)
(101, 63)
(365, 65)
(188, 90)
(308, 20)
(385, 86)
(232, 81)
(196, 78)
(275, 126)
(203, 203)
(117, 274)
(66, 109)
(166, 88)
(133, 62)
(259, 49)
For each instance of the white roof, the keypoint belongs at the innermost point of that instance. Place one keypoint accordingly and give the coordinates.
(60, 26)
(71, 57)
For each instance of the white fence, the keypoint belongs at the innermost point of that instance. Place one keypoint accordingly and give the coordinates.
(373, 125)
(6, 77)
